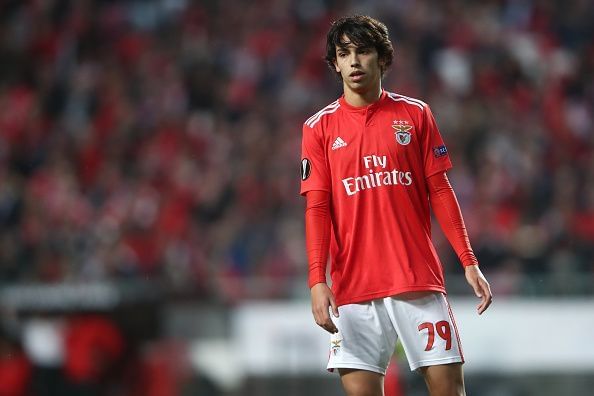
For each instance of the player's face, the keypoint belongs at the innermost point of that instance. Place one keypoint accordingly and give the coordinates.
(358, 66)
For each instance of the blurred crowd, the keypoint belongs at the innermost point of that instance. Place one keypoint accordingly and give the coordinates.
(160, 139)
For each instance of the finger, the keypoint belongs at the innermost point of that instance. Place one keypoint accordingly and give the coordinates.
(486, 299)
(318, 317)
(483, 304)
(481, 307)
(326, 321)
(322, 315)
(489, 302)
(334, 307)
(322, 318)
(330, 327)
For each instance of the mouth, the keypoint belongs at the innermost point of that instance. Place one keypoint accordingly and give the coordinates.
(357, 75)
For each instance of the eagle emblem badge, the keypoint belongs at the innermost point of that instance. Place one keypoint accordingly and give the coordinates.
(403, 132)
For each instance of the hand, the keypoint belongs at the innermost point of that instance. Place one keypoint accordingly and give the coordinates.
(321, 300)
(477, 280)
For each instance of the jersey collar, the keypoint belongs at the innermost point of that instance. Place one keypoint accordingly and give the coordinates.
(344, 104)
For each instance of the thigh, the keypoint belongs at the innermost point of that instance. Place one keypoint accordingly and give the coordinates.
(444, 379)
(361, 382)
(427, 329)
(365, 340)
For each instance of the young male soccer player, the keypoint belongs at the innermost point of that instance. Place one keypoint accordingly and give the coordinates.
(373, 162)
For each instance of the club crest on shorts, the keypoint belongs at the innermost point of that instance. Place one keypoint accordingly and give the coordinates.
(403, 131)
(335, 346)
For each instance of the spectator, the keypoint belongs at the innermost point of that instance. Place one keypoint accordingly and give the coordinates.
(151, 140)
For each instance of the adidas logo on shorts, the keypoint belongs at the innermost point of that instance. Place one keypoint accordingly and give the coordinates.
(338, 143)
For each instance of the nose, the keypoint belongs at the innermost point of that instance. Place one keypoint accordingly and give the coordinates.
(355, 60)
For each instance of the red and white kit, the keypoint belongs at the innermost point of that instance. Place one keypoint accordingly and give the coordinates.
(373, 161)
(368, 333)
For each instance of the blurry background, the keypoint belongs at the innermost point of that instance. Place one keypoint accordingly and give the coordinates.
(151, 233)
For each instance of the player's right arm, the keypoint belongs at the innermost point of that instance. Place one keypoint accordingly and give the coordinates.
(317, 241)
(316, 187)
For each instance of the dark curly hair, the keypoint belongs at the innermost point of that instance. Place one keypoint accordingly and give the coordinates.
(363, 31)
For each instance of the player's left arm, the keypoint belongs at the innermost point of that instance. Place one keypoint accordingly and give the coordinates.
(447, 211)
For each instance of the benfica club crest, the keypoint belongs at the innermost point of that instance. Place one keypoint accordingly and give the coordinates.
(402, 133)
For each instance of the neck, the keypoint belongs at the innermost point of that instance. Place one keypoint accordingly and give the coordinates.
(363, 98)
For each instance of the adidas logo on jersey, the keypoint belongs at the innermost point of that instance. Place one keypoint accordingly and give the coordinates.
(338, 143)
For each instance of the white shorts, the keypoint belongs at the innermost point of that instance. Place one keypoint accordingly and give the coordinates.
(367, 333)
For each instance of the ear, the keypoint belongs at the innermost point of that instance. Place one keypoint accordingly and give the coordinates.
(336, 66)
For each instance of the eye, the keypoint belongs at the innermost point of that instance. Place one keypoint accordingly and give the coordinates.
(342, 54)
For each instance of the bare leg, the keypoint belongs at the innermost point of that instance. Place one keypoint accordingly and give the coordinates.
(444, 379)
(362, 382)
